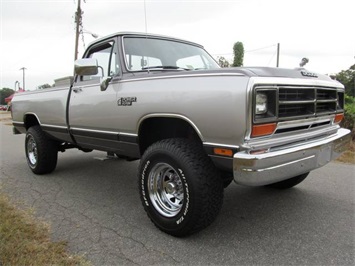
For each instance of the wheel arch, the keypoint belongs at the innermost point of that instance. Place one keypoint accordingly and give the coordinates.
(30, 120)
(155, 127)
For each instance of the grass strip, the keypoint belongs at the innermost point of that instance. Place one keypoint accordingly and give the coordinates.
(349, 155)
(24, 241)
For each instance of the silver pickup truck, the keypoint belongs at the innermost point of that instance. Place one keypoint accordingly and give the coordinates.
(194, 126)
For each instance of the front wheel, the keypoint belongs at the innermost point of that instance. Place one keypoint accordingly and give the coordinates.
(288, 183)
(180, 189)
(41, 152)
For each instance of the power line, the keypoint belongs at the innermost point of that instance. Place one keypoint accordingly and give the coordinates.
(250, 51)
(247, 51)
(273, 55)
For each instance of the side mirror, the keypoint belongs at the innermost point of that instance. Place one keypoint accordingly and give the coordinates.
(86, 67)
(104, 83)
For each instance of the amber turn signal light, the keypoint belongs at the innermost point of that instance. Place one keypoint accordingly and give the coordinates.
(223, 152)
(263, 130)
(338, 118)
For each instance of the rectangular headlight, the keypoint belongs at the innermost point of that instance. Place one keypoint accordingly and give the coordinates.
(264, 104)
(260, 103)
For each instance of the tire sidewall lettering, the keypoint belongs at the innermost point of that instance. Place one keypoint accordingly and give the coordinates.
(187, 193)
(182, 216)
(143, 190)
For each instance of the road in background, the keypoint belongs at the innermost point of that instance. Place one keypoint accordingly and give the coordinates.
(94, 204)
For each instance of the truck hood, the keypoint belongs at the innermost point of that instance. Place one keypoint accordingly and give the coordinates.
(276, 72)
(299, 73)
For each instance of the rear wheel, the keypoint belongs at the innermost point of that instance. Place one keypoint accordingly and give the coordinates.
(180, 189)
(288, 183)
(41, 152)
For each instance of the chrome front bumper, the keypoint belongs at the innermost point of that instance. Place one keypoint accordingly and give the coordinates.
(272, 167)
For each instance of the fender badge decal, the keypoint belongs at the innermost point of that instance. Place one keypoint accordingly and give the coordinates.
(126, 101)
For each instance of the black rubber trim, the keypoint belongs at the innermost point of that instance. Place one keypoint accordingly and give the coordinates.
(55, 129)
(16, 124)
(106, 136)
(129, 139)
(97, 135)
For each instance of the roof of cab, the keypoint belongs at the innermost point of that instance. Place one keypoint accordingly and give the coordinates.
(142, 35)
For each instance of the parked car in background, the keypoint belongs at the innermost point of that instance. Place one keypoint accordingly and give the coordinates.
(3, 107)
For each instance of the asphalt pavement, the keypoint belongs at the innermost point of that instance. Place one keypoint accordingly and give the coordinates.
(94, 205)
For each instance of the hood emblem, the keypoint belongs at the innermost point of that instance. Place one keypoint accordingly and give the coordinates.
(309, 74)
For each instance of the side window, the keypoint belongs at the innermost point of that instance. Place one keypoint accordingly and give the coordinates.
(106, 59)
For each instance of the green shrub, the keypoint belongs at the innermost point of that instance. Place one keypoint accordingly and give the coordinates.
(349, 114)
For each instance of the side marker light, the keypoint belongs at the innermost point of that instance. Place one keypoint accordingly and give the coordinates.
(223, 152)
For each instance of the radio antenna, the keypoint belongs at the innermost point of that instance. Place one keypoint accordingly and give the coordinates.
(145, 18)
(146, 31)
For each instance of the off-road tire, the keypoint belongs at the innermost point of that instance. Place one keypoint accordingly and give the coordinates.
(227, 180)
(41, 152)
(181, 166)
(289, 183)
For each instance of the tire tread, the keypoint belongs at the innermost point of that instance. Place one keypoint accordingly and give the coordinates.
(47, 151)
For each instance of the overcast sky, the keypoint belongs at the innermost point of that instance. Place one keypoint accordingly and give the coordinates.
(40, 34)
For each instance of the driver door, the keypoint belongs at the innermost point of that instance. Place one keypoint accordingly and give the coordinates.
(92, 121)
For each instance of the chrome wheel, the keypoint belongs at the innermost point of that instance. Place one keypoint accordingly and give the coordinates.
(32, 150)
(165, 190)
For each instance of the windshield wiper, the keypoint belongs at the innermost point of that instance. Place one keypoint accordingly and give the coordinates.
(164, 67)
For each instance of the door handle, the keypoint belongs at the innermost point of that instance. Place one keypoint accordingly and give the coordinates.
(76, 90)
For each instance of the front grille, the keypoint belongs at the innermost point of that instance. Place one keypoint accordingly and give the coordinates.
(307, 102)
(295, 94)
(286, 110)
(287, 102)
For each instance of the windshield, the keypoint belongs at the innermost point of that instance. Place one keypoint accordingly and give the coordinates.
(144, 54)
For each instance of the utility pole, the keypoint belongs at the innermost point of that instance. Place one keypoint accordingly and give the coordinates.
(23, 77)
(78, 21)
(278, 55)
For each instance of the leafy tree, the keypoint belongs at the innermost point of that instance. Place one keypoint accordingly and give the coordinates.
(44, 86)
(347, 78)
(4, 93)
(223, 62)
(349, 115)
(238, 50)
